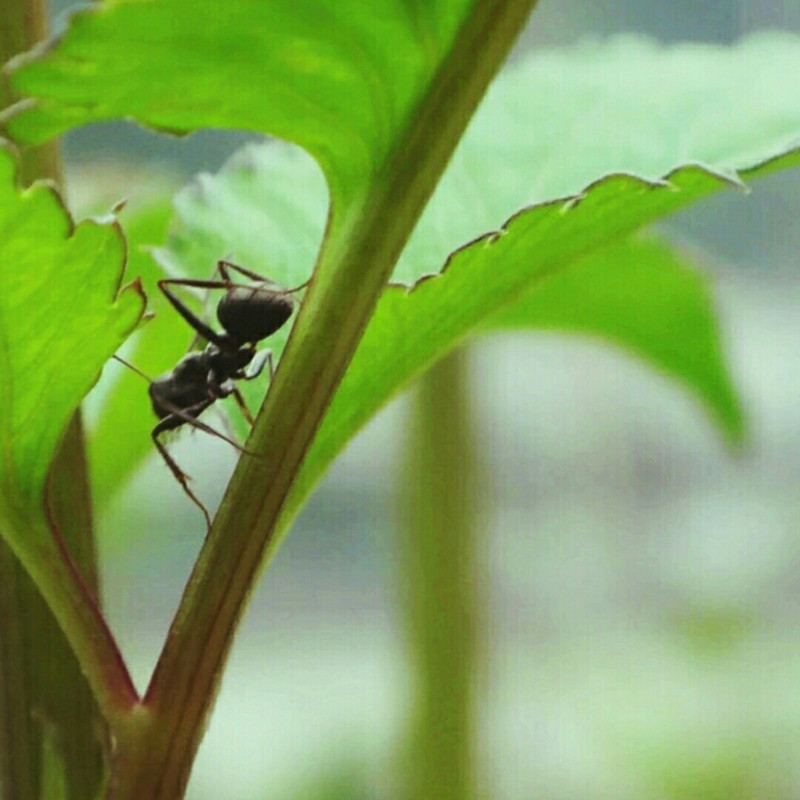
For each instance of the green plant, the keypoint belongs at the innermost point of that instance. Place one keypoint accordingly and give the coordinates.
(379, 93)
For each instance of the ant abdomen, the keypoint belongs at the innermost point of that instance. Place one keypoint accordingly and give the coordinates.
(250, 314)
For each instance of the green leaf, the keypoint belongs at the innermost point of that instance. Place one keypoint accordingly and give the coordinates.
(712, 105)
(559, 119)
(340, 79)
(265, 209)
(646, 297)
(585, 114)
(507, 159)
(61, 317)
(413, 328)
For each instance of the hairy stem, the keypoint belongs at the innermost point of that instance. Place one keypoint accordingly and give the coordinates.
(353, 267)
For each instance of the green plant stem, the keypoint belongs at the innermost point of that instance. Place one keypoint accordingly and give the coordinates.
(24, 23)
(44, 691)
(71, 699)
(363, 245)
(20, 736)
(441, 595)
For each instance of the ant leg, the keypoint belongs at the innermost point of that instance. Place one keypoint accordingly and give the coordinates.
(165, 425)
(204, 330)
(195, 343)
(176, 418)
(226, 426)
(198, 283)
(212, 283)
(223, 267)
(237, 396)
(262, 358)
(187, 415)
(201, 328)
(226, 283)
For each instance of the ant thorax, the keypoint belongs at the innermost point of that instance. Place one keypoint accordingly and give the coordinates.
(183, 387)
(227, 362)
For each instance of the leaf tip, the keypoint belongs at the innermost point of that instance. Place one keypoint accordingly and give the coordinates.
(729, 418)
(133, 299)
(135, 286)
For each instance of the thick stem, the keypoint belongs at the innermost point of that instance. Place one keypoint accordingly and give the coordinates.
(42, 688)
(72, 702)
(357, 259)
(441, 594)
(20, 735)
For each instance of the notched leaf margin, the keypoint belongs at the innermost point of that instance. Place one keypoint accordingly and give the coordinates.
(571, 202)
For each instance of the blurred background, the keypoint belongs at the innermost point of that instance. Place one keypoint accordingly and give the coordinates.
(643, 582)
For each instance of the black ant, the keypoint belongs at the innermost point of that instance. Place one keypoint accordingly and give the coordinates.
(248, 313)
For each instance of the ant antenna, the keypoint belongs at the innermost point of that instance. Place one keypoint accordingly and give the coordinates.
(131, 367)
(223, 263)
(299, 288)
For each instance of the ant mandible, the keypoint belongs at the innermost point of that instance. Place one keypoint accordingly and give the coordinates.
(248, 313)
